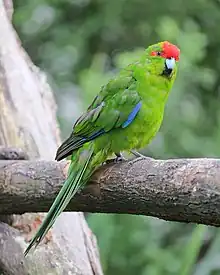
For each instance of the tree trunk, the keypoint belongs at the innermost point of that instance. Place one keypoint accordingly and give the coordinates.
(28, 121)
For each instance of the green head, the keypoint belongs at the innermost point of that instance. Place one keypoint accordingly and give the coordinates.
(162, 58)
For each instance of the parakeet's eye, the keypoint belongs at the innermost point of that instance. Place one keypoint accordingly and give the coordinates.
(157, 53)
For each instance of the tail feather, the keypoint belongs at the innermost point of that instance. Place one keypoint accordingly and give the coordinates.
(70, 187)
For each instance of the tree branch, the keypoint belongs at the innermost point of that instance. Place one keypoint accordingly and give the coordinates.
(185, 190)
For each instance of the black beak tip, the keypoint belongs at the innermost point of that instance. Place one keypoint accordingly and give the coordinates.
(167, 71)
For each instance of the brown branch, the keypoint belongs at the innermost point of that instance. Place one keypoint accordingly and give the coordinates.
(186, 190)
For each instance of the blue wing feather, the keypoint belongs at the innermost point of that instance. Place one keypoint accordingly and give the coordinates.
(129, 120)
(95, 135)
(132, 115)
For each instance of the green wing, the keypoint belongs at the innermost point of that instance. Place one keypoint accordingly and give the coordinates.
(109, 110)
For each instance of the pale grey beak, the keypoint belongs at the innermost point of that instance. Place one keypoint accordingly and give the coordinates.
(169, 66)
(170, 63)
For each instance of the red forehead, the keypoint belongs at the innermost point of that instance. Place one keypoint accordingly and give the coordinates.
(170, 50)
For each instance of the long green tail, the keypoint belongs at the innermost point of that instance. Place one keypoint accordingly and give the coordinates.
(73, 183)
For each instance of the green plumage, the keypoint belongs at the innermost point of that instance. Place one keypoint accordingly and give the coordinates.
(104, 129)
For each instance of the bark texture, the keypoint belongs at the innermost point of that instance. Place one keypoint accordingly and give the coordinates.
(185, 190)
(28, 121)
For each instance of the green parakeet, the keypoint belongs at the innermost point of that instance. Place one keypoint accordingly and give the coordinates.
(124, 116)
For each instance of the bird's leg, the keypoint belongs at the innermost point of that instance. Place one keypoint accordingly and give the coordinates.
(119, 158)
(137, 154)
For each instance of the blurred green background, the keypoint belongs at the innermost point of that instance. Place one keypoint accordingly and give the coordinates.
(80, 44)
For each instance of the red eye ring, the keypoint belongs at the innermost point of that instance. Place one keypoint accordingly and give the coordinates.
(157, 53)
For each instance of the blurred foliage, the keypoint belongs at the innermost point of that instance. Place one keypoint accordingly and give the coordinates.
(83, 43)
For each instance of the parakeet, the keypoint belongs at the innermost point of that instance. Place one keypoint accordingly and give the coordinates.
(124, 116)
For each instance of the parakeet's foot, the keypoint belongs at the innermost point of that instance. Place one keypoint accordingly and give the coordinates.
(119, 158)
(139, 155)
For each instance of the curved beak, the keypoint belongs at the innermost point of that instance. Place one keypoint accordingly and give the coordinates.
(169, 66)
